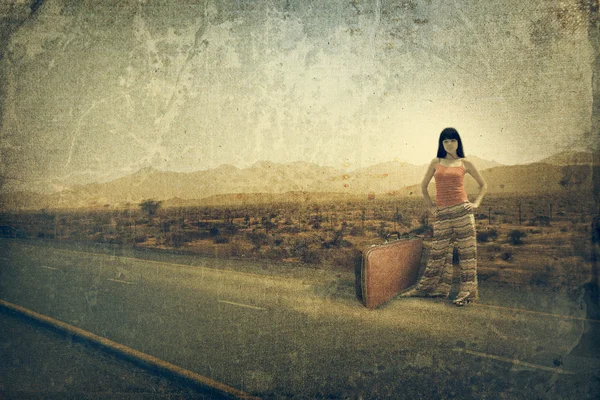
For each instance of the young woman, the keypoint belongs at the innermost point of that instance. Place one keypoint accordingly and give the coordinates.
(454, 222)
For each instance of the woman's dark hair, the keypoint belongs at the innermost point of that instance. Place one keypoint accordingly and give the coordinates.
(450, 133)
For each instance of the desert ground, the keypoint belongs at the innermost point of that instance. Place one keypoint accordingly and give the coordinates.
(522, 240)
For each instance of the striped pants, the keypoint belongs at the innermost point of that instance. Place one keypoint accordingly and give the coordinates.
(453, 225)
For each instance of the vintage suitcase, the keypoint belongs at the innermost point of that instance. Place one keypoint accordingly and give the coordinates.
(388, 269)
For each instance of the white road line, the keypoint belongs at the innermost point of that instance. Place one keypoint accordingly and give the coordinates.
(242, 305)
(120, 281)
(545, 314)
(515, 362)
(52, 268)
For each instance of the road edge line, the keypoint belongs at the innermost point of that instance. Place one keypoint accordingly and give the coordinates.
(140, 358)
(515, 361)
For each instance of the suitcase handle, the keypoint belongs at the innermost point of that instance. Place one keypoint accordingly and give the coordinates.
(387, 237)
(400, 236)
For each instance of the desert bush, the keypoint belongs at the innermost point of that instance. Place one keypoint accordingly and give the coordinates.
(541, 220)
(221, 239)
(45, 235)
(95, 228)
(195, 235)
(289, 229)
(97, 237)
(288, 221)
(507, 255)
(140, 238)
(150, 207)
(176, 239)
(356, 231)
(515, 237)
(310, 256)
(258, 239)
(165, 226)
(336, 239)
(495, 248)
(269, 226)
(142, 221)
(277, 253)
(113, 239)
(483, 236)
(308, 249)
(371, 228)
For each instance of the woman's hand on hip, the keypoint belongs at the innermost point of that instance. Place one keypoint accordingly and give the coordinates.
(471, 206)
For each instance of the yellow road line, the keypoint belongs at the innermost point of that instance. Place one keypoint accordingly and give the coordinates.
(515, 362)
(132, 354)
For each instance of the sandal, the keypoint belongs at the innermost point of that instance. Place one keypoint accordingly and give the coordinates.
(464, 298)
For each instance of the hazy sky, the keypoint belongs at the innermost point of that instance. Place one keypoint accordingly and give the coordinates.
(96, 90)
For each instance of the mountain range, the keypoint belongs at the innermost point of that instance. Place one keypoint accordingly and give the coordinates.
(301, 181)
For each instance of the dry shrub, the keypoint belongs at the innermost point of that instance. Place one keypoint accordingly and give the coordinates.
(483, 237)
(311, 256)
(515, 237)
(276, 253)
(221, 239)
(507, 255)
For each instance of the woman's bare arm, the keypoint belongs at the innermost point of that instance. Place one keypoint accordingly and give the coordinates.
(425, 182)
(471, 169)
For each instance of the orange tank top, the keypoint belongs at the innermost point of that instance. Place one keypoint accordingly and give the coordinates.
(449, 184)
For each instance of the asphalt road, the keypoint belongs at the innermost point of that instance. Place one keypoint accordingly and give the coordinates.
(305, 335)
(39, 363)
